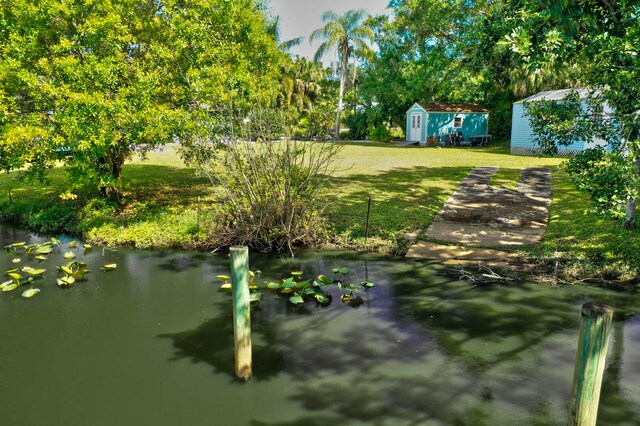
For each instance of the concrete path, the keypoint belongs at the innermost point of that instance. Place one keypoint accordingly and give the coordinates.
(481, 215)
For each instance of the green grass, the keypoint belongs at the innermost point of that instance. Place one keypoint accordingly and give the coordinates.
(408, 186)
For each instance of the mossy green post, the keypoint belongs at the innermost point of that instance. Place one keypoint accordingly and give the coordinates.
(595, 326)
(241, 310)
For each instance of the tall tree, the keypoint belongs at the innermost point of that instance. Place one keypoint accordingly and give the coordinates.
(91, 83)
(349, 35)
(604, 38)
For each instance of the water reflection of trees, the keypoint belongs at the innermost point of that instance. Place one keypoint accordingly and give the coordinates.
(425, 350)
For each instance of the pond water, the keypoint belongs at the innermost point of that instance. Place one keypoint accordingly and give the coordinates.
(151, 343)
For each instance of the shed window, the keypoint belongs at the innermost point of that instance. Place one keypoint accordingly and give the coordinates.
(457, 122)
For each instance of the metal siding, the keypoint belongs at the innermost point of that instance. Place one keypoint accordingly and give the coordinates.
(522, 135)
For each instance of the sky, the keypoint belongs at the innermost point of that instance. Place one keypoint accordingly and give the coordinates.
(301, 17)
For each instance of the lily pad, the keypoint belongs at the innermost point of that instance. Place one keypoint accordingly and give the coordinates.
(296, 299)
(66, 281)
(324, 280)
(14, 276)
(368, 284)
(109, 267)
(341, 271)
(321, 298)
(286, 290)
(44, 250)
(223, 277)
(274, 286)
(226, 286)
(73, 244)
(30, 293)
(69, 255)
(297, 273)
(41, 257)
(255, 297)
(8, 287)
(34, 272)
(16, 260)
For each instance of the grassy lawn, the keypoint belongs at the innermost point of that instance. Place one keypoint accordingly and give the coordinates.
(407, 185)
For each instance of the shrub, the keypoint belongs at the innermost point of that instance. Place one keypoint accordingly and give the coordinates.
(380, 134)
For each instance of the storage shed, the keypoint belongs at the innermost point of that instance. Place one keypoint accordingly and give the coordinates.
(522, 142)
(436, 120)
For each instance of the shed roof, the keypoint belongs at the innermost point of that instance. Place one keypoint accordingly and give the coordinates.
(557, 95)
(453, 107)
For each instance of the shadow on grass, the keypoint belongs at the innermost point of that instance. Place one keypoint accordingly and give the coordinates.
(402, 198)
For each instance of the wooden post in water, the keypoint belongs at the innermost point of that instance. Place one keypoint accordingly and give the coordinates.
(241, 310)
(591, 355)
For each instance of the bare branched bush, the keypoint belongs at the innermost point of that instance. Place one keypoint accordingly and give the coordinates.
(271, 187)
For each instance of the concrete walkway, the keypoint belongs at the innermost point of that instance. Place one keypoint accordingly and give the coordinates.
(481, 215)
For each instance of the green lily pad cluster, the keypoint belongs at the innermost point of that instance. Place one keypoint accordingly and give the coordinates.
(70, 273)
(301, 291)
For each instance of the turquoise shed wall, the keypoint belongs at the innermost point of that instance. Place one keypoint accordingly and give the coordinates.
(441, 124)
(522, 135)
(415, 109)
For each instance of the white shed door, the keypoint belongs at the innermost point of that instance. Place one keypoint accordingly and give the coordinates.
(416, 127)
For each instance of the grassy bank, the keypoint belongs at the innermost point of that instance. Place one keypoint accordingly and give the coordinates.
(407, 186)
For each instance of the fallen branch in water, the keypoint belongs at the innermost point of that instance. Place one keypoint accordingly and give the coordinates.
(483, 275)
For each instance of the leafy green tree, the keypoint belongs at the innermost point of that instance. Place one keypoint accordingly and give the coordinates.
(349, 35)
(92, 83)
(604, 38)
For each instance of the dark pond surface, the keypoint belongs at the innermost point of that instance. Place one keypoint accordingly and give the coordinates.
(151, 344)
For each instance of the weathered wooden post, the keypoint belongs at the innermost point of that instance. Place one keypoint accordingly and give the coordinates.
(241, 310)
(591, 355)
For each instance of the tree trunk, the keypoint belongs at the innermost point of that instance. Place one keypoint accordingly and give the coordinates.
(343, 77)
(112, 164)
(632, 204)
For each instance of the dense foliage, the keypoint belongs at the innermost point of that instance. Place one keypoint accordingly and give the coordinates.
(90, 83)
(604, 37)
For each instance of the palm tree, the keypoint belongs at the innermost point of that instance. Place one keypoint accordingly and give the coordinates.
(348, 34)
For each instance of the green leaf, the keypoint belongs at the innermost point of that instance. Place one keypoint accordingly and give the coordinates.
(109, 267)
(304, 284)
(289, 283)
(368, 284)
(69, 255)
(352, 287)
(309, 291)
(8, 287)
(274, 286)
(14, 276)
(255, 297)
(34, 272)
(321, 298)
(73, 244)
(286, 290)
(296, 299)
(324, 280)
(226, 286)
(346, 297)
(66, 281)
(30, 293)
(41, 257)
(223, 277)
(44, 250)
(65, 270)
(16, 245)
(16, 260)
(87, 247)
(297, 273)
